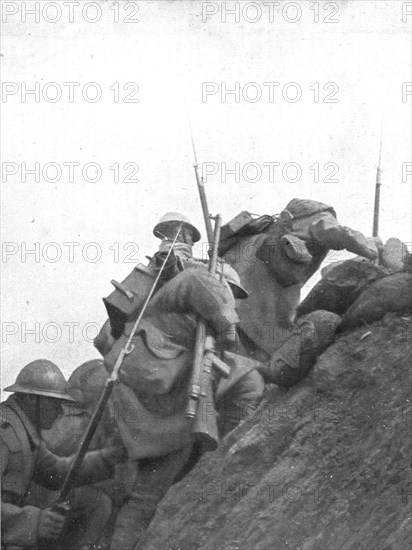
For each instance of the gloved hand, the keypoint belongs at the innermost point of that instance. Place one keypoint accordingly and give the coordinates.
(50, 525)
(227, 336)
(172, 266)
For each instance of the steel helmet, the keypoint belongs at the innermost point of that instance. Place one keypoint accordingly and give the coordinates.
(171, 219)
(87, 381)
(41, 377)
(233, 280)
(304, 208)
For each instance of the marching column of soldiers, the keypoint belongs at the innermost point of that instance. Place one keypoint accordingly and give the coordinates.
(145, 439)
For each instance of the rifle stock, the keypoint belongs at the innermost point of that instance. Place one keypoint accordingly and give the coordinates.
(205, 427)
(196, 378)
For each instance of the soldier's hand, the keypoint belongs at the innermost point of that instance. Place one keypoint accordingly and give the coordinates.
(171, 268)
(227, 336)
(50, 524)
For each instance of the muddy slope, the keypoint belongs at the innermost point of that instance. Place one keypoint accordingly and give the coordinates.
(323, 466)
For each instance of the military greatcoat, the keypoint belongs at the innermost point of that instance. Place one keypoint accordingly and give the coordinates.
(25, 458)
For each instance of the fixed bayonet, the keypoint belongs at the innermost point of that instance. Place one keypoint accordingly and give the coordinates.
(376, 208)
(201, 188)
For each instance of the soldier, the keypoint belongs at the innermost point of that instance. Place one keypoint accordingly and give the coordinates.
(166, 229)
(118, 307)
(247, 389)
(274, 261)
(151, 398)
(85, 385)
(39, 391)
(243, 396)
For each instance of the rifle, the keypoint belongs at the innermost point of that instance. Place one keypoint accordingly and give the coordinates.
(201, 401)
(84, 444)
(375, 227)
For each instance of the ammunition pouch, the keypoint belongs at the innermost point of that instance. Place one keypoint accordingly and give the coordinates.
(291, 259)
(126, 301)
(275, 252)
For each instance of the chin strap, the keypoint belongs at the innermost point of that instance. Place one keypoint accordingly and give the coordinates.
(37, 416)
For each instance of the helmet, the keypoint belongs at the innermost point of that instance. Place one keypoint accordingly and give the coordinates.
(41, 377)
(303, 208)
(171, 219)
(87, 381)
(233, 279)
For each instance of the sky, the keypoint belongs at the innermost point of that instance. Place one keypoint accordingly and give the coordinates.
(106, 137)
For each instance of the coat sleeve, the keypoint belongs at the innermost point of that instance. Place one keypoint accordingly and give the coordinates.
(197, 291)
(330, 234)
(18, 524)
(50, 469)
(104, 340)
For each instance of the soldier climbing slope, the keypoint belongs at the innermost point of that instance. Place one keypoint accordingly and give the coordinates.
(151, 399)
(246, 387)
(39, 391)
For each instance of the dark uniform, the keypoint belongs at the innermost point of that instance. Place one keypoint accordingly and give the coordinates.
(86, 384)
(25, 458)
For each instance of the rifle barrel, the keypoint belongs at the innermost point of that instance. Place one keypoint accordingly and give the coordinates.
(85, 442)
(203, 202)
(376, 208)
(215, 244)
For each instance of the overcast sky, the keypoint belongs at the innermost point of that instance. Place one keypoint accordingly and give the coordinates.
(331, 70)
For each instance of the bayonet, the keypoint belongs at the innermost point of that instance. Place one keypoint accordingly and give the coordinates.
(202, 194)
(376, 208)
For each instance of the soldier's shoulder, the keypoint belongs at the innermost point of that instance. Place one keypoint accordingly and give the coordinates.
(195, 263)
(6, 413)
(9, 428)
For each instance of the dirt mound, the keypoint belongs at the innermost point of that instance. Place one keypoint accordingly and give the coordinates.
(390, 294)
(340, 286)
(325, 465)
